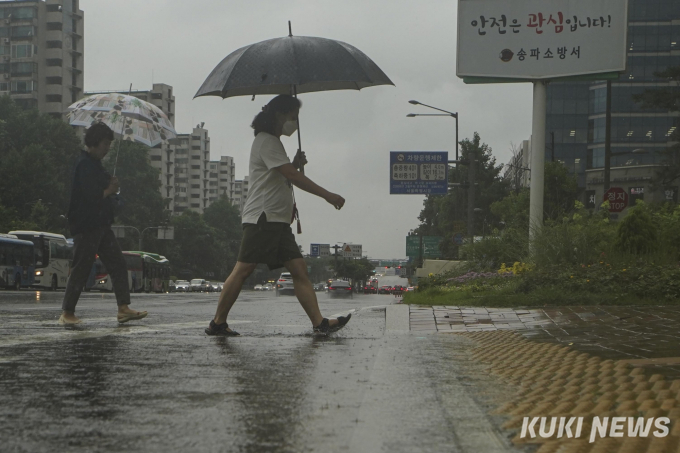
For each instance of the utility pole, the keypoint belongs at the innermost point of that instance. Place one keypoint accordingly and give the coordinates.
(608, 138)
(552, 147)
(471, 195)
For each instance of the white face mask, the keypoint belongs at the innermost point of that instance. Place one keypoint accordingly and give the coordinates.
(289, 127)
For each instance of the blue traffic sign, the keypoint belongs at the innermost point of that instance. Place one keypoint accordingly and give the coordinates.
(314, 250)
(419, 172)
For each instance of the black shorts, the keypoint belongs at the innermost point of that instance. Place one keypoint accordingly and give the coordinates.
(271, 243)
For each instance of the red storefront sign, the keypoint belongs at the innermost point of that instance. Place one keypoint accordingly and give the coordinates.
(617, 198)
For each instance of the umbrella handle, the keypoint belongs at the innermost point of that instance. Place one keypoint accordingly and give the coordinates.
(302, 166)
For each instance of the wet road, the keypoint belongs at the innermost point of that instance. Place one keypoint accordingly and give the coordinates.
(161, 384)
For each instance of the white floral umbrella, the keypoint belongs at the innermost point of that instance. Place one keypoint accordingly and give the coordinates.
(129, 117)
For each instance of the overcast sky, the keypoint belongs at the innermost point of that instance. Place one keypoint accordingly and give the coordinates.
(347, 135)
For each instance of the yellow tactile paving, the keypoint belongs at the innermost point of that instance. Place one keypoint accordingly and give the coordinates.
(556, 381)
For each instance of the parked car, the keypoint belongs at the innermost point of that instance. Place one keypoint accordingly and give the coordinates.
(410, 289)
(198, 285)
(385, 289)
(284, 285)
(216, 286)
(267, 287)
(320, 287)
(258, 288)
(182, 286)
(340, 288)
(398, 289)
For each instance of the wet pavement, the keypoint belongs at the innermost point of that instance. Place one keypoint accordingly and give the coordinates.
(646, 336)
(161, 384)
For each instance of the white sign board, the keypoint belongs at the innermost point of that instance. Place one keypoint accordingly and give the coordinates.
(351, 250)
(166, 233)
(541, 39)
(324, 250)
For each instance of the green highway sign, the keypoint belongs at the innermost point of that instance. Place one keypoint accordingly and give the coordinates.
(430, 246)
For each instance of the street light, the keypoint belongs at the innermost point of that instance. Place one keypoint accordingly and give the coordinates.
(446, 113)
(471, 162)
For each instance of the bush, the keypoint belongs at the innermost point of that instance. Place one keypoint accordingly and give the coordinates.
(637, 233)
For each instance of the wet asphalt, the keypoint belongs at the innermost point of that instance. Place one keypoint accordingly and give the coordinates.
(160, 384)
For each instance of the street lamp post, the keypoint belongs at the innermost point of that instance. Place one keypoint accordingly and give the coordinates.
(471, 162)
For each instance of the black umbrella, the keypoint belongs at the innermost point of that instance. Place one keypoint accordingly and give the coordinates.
(292, 65)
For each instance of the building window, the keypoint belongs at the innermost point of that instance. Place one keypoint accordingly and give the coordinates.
(196, 148)
(213, 183)
(55, 62)
(22, 50)
(28, 68)
(195, 157)
(195, 167)
(195, 186)
(53, 98)
(22, 86)
(23, 31)
(4, 86)
(54, 26)
(23, 13)
(53, 8)
(182, 189)
(55, 44)
(156, 95)
(195, 177)
(195, 205)
(156, 158)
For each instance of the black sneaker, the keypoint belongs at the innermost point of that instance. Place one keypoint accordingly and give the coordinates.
(325, 327)
(220, 329)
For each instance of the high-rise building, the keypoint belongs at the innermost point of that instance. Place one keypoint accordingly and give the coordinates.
(221, 178)
(577, 110)
(241, 193)
(189, 180)
(41, 53)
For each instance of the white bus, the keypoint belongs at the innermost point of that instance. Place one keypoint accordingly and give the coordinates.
(53, 256)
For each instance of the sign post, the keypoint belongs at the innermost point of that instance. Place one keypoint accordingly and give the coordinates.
(539, 41)
(617, 198)
(419, 172)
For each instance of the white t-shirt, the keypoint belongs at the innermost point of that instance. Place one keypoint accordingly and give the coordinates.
(269, 192)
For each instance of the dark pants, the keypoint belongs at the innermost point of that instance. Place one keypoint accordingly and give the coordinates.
(100, 242)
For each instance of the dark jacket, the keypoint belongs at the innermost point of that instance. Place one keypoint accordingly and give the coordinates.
(88, 209)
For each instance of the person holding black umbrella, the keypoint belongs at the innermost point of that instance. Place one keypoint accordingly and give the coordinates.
(268, 213)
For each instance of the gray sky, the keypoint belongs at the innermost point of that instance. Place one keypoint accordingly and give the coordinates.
(347, 135)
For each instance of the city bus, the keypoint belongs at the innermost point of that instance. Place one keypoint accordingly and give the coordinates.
(16, 262)
(156, 275)
(102, 281)
(52, 258)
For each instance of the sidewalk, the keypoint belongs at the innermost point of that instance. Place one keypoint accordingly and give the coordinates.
(574, 362)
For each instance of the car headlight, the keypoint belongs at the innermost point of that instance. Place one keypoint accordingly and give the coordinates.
(102, 282)
(39, 273)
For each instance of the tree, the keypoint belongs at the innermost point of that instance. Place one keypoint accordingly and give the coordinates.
(665, 99)
(355, 270)
(37, 153)
(446, 215)
(225, 220)
(193, 251)
(143, 204)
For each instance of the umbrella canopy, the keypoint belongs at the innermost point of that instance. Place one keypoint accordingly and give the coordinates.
(129, 117)
(276, 65)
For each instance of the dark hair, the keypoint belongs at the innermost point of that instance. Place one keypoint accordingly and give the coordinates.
(96, 133)
(266, 119)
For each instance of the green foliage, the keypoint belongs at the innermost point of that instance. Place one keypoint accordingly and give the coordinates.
(36, 158)
(446, 215)
(637, 232)
(139, 186)
(356, 270)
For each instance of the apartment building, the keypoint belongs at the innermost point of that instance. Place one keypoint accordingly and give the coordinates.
(41, 53)
(221, 178)
(240, 193)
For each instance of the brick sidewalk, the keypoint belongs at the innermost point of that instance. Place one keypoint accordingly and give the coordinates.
(645, 336)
